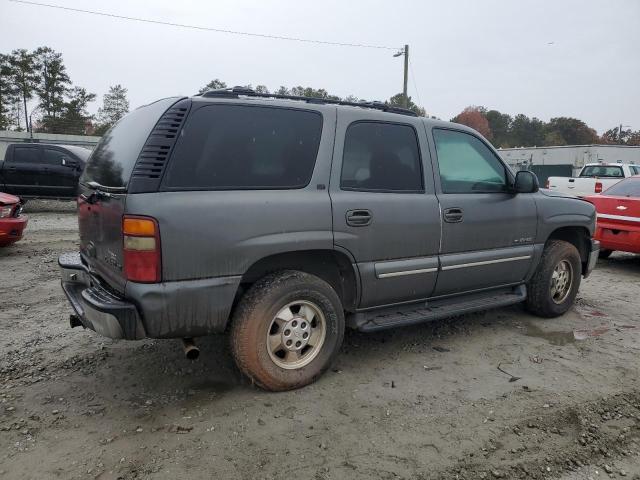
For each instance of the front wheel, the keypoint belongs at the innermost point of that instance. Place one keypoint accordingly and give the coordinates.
(287, 330)
(554, 285)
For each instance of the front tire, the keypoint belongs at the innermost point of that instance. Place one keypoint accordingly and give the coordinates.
(555, 283)
(287, 330)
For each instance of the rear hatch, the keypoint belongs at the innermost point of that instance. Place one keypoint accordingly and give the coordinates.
(106, 181)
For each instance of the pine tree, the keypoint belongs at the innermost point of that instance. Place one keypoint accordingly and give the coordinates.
(115, 105)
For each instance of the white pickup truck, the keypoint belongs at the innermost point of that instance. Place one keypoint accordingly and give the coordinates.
(593, 178)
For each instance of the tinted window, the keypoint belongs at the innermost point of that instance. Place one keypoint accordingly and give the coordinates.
(26, 155)
(467, 165)
(381, 157)
(113, 159)
(626, 188)
(602, 171)
(244, 147)
(53, 157)
(635, 170)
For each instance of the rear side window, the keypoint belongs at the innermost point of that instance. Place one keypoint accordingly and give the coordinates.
(382, 157)
(626, 188)
(602, 171)
(467, 165)
(26, 155)
(113, 159)
(237, 147)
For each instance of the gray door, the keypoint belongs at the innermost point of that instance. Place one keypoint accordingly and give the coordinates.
(487, 232)
(385, 212)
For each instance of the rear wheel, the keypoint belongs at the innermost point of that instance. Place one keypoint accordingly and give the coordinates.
(287, 330)
(605, 253)
(554, 285)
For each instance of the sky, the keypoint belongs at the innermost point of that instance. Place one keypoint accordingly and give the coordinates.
(543, 58)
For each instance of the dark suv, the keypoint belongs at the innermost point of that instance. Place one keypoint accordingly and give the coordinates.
(281, 220)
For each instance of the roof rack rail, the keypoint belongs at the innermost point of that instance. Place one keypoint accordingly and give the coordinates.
(235, 92)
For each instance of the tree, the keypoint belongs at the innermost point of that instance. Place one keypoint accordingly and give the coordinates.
(214, 84)
(500, 126)
(115, 105)
(475, 118)
(398, 101)
(572, 130)
(527, 132)
(261, 89)
(53, 83)
(8, 94)
(24, 76)
(75, 115)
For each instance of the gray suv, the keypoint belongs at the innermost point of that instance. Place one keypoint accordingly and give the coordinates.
(283, 220)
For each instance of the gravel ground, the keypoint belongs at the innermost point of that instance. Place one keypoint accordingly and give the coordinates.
(425, 402)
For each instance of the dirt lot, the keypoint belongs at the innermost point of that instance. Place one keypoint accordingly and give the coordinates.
(424, 402)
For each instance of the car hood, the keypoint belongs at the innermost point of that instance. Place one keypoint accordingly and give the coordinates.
(6, 199)
(554, 193)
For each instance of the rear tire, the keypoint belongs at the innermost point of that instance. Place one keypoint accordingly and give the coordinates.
(605, 253)
(287, 330)
(555, 283)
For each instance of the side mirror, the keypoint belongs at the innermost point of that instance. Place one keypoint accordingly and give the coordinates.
(526, 182)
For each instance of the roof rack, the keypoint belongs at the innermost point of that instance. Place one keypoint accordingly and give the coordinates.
(235, 92)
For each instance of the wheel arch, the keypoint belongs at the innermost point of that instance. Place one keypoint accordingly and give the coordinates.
(332, 266)
(578, 236)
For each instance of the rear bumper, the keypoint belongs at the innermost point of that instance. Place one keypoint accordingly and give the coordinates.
(593, 257)
(189, 308)
(620, 237)
(97, 308)
(11, 229)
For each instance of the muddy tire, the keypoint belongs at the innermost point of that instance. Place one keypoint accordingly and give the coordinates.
(554, 285)
(605, 253)
(287, 330)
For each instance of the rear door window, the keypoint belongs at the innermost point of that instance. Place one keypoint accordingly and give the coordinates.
(381, 157)
(236, 147)
(26, 155)
(626, 188)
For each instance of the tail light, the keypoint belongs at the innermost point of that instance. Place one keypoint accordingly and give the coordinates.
(141, 246)
(598, 188)
(547, 184)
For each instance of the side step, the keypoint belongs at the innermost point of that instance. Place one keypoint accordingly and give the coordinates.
(403, 315)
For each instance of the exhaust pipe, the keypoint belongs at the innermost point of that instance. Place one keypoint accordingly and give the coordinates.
(190, 350)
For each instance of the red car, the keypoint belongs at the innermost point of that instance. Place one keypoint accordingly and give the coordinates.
(12, 223)
(618, 223)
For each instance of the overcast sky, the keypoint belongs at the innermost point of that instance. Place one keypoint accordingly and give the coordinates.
(544, 58)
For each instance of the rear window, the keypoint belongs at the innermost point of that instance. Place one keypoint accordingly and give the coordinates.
(113, 159)
(602, 171)
(626, 188)
(235, 147)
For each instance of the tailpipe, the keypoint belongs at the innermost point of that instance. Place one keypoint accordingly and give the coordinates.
(190, 350)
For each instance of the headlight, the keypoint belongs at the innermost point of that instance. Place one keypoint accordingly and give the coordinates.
(6, 211)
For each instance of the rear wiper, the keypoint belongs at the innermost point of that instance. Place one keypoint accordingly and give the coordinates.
(104, 188)
(100, 192)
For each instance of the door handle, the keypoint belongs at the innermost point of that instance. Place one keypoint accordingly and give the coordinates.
(359, 218)
(12, 169)
(452, 215)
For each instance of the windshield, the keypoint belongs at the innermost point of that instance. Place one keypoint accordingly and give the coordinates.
(113, 159)
(602, 171)
(626, 188)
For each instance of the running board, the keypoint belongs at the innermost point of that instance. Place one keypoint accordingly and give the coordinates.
(403, 315)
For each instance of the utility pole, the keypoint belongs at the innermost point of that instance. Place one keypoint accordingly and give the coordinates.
(405, 52)
(406, 75)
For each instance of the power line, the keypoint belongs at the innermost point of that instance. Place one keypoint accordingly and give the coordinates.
(209, 29)
(415, 84)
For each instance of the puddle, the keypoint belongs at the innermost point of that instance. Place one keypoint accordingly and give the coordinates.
(560, 338)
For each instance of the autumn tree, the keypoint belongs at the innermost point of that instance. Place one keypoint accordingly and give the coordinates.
(475, 118)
